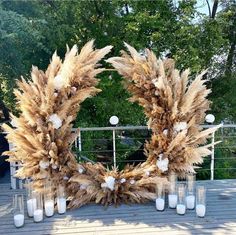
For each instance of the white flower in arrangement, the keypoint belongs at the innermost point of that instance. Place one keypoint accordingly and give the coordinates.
(109, 183)
(83, 186)
(155, 82)
(54, 166)
(162, 164)
(165, 132)
(14, 123)
(147, 173)
(55, 94)
(56, 121)
(58, 82)
(73, 90)
(44, 164)
(132, 181)
(80, 170)
(65, 178)
(180, 126)
(123, 180)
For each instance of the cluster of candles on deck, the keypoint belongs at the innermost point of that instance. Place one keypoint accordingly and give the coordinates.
(38, 204)
(182, 196)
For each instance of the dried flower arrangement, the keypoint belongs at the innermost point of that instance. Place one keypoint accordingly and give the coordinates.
(49, 103)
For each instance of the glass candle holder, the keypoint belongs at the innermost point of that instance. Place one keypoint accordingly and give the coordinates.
(18, 208)
(48, 199)
(31, 199)
(172, 195)
(61, 200)
(200, 201)
(160, 200)
(190, 198)
(38, 212)
(181, 204)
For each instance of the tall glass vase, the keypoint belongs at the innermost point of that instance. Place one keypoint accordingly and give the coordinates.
(18, 208)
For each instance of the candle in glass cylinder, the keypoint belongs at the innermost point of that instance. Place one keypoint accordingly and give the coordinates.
(190, 202)
(18, 206)
(181, 206)
(160, 204)
(190, 199)
(49, 207)
(61, 205)
(19, 220)
(31, 200)
(200, 201)
(38, 215)
(61, 200)
(31, 205)
(48, 199)
(172, 199)
(200, 210)
(38, 212)
(172, 196)
(160, 201)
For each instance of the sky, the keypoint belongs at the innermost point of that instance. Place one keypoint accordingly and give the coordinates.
(202, 6)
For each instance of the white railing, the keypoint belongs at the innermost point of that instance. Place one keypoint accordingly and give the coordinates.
(80, 142)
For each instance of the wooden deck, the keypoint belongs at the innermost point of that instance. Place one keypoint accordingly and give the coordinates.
(134, 219)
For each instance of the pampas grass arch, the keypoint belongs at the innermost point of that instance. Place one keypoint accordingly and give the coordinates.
(42, 134)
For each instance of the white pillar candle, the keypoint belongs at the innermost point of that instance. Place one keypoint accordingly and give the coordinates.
(172, 199)
(38, 215)
(160, 204)
(200, 210)
(31, 206)
(190, 202)
(61, 205)
(19, 220)
(180, 208)
(49, 208)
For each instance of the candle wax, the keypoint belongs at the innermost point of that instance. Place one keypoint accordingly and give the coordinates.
(172, 199)
(31, 206)
(190, 200)
(180, 208)
(19, 220)
(49, 208)
(160, 204)
(38, 215)
(61, 205)
(200, 210)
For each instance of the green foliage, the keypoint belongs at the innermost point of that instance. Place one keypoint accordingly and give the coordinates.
(30, 31)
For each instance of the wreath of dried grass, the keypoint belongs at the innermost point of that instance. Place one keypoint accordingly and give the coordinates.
(42, 134)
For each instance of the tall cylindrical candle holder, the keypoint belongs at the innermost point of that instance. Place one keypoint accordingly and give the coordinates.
(48, 199)
(200, 201)
(190, 199)
(181, 204)
(31, 199)
(18, 208)
(160, 200)
(172, 195)
(38, 212)
(61, 200)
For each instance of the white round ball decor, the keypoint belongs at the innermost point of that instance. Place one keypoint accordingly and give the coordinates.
(210, 118)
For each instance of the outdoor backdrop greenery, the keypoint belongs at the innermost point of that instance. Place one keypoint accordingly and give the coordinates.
(30, 31)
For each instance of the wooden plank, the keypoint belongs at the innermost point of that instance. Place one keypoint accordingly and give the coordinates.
(134, 219)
